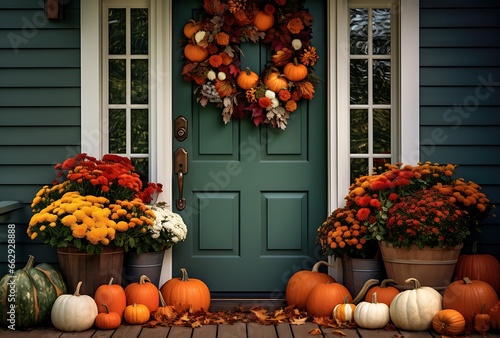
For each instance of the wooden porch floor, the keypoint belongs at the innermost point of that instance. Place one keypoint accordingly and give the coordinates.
(238, 330)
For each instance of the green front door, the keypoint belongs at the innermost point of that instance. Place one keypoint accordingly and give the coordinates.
(254, 195)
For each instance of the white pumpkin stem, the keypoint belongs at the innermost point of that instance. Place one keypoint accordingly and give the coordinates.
(77, 291)
(416, 283)
(316, 266)
(346, 299)
(144, 279)
(185, 276)
(362, 293)
(374, 298)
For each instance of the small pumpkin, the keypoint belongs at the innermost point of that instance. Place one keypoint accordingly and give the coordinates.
(143, 292)
(191, 28)
(275, 81)
(74, 312)
(482, 321)
(413, 310)
(468, 296)
(33, 291)
(323, 298)
(372, 315)
(186, 293)
(385, 292)
(164, 311)
(136, 314)
(263, 21)
(247, 79)
(113, 295)
(495, 317)
(295, 71)
(195, 53)
(302, 282)
(344, 313)
(483, 267)
(107, 320)
(448, 322)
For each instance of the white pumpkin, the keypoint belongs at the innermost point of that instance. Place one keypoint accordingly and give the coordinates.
(413, 310)
(372, 315)
(74, 312)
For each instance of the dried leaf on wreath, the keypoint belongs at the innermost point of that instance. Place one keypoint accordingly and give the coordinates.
(213, 7)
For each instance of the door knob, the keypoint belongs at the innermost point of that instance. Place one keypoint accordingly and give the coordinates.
(180, 169)
(181, 128)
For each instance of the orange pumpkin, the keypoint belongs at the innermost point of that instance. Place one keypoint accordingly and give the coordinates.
(247, 79)
(143, 292)
(191, 28)
(186, 293)
(136, 314)
(295, 71)
(448, 322)
(302, 282)
(385, 292)
(107, 320)
(468, 296)
(323, 298)
(113, 295)
(263, 21)
(483, 267)
(482, 321)
(195, 53)
(495, 317)
(276, 81)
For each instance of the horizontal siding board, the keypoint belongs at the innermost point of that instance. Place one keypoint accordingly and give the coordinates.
(457, 116)
(39, 77)
(38, 58)
(482, 175)
(32, 174)
(465, 155)
(459, 37)
(463, 135)
(446, 96)
(40, 97)
(459, 17)
(43, 39)
(31, 19)
(450, 76)
(459, 57)
(17, 4)
(458, 3)
(40, 116)
(21, 193)
(29, 135)
(36, 154)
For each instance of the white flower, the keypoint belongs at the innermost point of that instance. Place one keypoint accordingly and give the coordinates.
(296, 44)
(168, 225)
(221, 76)
(270, 94)
(200, 35)
(211, 75)
(275, 102)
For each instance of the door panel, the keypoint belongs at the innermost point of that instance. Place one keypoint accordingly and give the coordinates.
(255, 195)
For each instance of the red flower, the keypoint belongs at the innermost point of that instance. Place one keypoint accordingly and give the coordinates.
(264, 102)
(363, 214)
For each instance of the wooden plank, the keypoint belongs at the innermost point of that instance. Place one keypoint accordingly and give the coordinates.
(372, 333)
(37, 333)
(416, 334)
(205, 331)
(328, 332)
(128, 331)
(103, 333)
(302, 331)
(237, 330)
(284, 330)
(154, 332)
(179, 332)
(82, 334)
(261, 331)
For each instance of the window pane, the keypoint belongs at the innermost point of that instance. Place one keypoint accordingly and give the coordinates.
(359, 31)
(117, 131)
(139, 132)
(382, 131)
(359, 131)
(116, 23)
(359, 167)
(381, 82)
(139, 31)
(141, 166)
(379, 164)
(139, 74)
(359, 81)
(117, 82)
(381, 26)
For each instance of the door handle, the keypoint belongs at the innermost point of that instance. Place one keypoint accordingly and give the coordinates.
(180, 169)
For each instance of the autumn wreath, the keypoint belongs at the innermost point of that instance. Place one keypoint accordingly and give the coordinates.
(212, 55)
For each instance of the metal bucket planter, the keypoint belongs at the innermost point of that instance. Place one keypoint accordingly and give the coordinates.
(148, 264)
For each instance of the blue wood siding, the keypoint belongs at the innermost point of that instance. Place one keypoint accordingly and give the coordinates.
(39, 110)
(460, 96)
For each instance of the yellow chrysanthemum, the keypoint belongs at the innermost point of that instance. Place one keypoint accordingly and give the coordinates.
(79, 230)
(68, 220)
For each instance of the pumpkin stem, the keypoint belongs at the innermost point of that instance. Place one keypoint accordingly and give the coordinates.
(185, 276)
(316, 266)
(162, 300)
(29, 263)
(110, 281)
(415, 281)
(106, 307)
(466, 280)
(144, 279)
(295, 61)
(374, 298)
(362, 293)
(77, 291)
(386, 282)
(248, 71)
